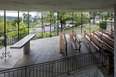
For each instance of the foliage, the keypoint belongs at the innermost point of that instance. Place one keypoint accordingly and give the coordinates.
(2, 41)
(103, 24)
(15, 21)
(47, 34)
(23, 31)
(48, 16)
(8, 26)
(38, 35)
(26, 17)
(63, 17)
(77, 18)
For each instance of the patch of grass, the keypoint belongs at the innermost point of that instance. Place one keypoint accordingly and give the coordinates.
(31, 28)
(77, 29)
(1, 47)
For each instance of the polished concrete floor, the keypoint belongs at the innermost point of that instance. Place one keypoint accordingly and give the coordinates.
(41, 50)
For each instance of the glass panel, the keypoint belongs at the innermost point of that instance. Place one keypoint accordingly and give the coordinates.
(35, 25)
(1, 29)
(11, 27)
(47, 24)
(85, 22)
(54, 24)
(23, 24)
(95, 19)
(77, 21)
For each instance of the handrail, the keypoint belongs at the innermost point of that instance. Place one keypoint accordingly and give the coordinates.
(56, 67)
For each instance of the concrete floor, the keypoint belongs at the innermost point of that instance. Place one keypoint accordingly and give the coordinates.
(41, 50)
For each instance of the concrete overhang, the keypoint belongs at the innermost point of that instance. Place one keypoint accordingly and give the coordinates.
(57, 5)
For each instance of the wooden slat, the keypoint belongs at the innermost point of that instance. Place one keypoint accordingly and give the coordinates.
(61, 44)
(23, 41)
(96, 48)
(108, 42)
(108, 38)
(65, 38)
(112, 36)
(112, 30)
(103, 43)
(97, 43)
(73, 42)
(76, 38)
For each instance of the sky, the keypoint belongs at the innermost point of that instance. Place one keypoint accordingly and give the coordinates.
(15, 13)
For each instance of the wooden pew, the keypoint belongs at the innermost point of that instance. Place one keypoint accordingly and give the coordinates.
(63, 43)
(102, 43)
(97, 46)
(110, 35)
(75, 40)
(111, 30)
(109, 55)
(104, 36)
(105, 40)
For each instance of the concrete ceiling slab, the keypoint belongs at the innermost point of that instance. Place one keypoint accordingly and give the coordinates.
(57, 5)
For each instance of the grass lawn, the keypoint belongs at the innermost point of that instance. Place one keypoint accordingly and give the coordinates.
(1, 47)
(31, 28)
(86, 27)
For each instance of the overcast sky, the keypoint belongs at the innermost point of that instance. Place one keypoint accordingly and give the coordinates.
(15, 13)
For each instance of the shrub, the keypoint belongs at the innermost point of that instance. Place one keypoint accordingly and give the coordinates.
(103, 24)
(2, 41)
(47, 34)
(38, 35)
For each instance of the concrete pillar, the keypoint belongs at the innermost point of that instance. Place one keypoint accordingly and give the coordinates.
(115, 41)
(26, 48)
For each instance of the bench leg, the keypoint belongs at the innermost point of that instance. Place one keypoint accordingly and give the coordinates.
(26, 48)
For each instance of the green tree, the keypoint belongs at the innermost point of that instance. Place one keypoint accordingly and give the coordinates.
(15, 21)
(25, 16)
(77, 18)
(63, 17)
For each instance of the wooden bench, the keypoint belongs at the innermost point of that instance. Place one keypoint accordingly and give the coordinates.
(94, 43)
(24, 42)
(111, 30)
(97, 44)
(105, 40)
(104, 44)
(104, 36)
(75, 40)
(110, 35)
(63, 43)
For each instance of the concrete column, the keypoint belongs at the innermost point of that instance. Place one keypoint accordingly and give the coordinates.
(26, 48)
(115, 41)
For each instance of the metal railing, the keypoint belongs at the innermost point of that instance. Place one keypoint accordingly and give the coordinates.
(55, 68)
